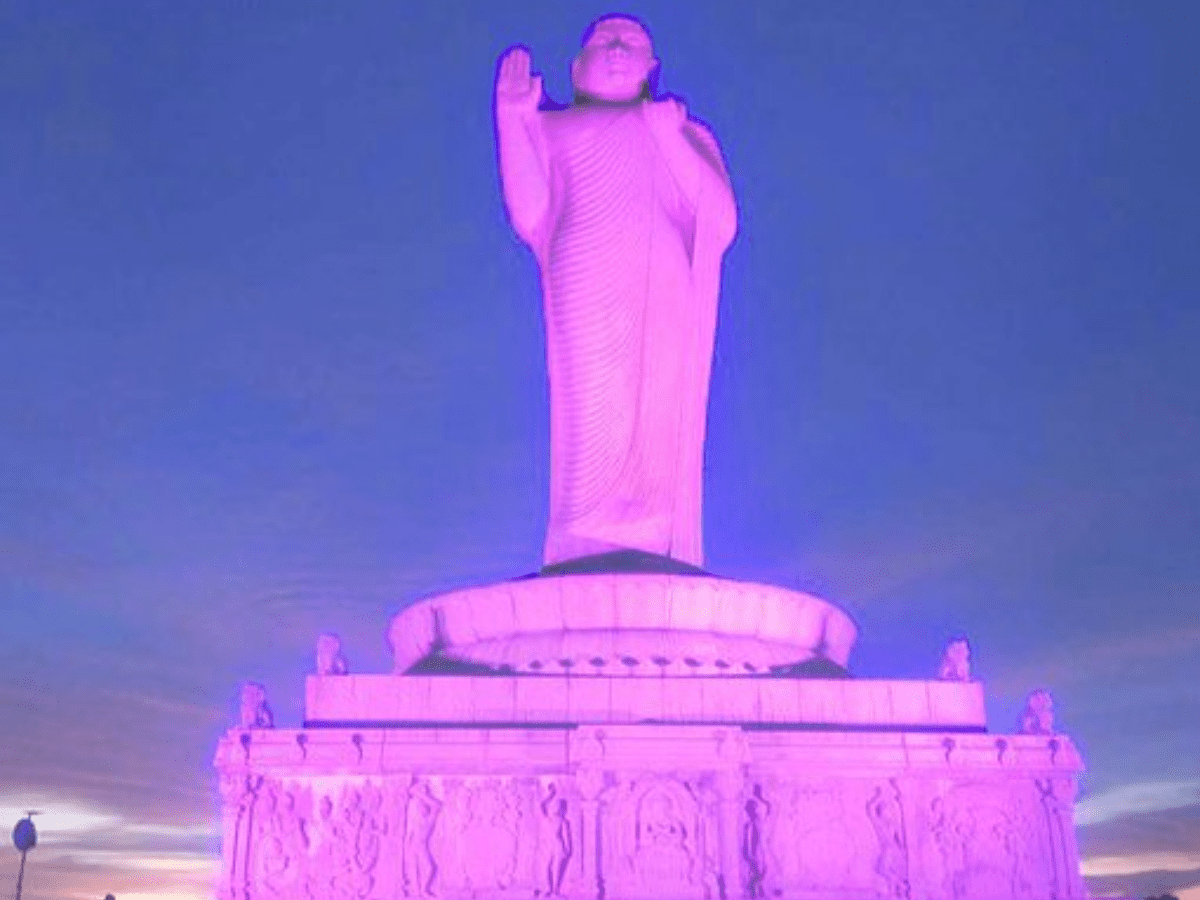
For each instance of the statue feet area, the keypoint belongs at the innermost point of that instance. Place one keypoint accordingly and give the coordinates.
(622, 624)
(627, 647)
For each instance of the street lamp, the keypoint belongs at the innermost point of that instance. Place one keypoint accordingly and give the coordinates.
(24, 839)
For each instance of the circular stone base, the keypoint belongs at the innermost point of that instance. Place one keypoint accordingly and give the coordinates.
(623, 624)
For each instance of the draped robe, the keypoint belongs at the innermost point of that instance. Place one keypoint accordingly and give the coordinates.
(630, 272)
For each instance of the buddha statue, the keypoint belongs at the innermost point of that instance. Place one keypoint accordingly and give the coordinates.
(625, 202)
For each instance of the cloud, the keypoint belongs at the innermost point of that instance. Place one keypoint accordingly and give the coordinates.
(951, 532)
(1142, 840)
(1184, 885)
(1137, 798)
(1134, 865)
(77, 822)
(1079, 661)
(129, 875)
(89, 753)
(56, 818)
(85, 851)
(1171, 830)
(173, 863)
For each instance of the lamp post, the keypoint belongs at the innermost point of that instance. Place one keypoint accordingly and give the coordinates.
(24, 839)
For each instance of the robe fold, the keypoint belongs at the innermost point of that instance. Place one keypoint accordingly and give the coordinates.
(630, 275)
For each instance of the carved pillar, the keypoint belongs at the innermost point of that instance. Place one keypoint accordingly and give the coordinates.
(587, 756)
(238, 793)
(1057, 798)
(590, 783)
(230, 787)
(730, 784)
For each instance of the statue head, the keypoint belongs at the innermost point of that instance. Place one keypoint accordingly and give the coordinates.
(616, 63)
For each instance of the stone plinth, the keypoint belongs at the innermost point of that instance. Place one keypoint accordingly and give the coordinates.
(382, 700)
(646, 812)
(624, 623)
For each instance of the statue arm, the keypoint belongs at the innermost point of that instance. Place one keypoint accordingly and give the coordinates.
(713, 179)
(694, 160)
(521, 144)
(524, 170)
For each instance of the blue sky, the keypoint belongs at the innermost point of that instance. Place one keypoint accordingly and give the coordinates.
(271, 363)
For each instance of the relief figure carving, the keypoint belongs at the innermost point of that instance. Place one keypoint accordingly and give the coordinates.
(281, 846)
(887, 818)
(420, 868)
(982, 850)
(665, 852)
(362, 814)
(559, 842)
(811, 837)
(754, 853)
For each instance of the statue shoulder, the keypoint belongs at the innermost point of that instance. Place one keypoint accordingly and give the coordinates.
(704, 136)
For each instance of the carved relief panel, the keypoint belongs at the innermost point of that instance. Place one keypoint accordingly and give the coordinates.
(347, 833)
(885, 811)
(659, 839)
(988, 840)
(281, 842)
(825, 835)
(492, 837)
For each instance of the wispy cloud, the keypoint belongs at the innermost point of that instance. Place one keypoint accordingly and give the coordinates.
(1076, 662)
(1184, 885)
(946, 534)
(57, 818)
(1137, 798)
(86, 850)
(70, 821)
(61, 876)
(1145, 862)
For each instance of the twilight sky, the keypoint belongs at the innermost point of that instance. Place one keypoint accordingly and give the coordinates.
(271, 363)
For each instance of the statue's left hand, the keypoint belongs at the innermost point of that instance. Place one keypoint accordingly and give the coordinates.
(665, 116)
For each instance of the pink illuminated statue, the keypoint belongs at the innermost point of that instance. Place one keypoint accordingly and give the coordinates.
(330, 659)
(623, 725)
(956, 661)
(1038, 715)
(253, 709)
(627, 207)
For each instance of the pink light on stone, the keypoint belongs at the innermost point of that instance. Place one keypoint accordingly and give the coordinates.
(625, 726)
(628, 209)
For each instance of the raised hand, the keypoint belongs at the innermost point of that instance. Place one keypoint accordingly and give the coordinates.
(517, 89)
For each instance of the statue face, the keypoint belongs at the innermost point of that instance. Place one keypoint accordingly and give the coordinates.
(615, 62)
